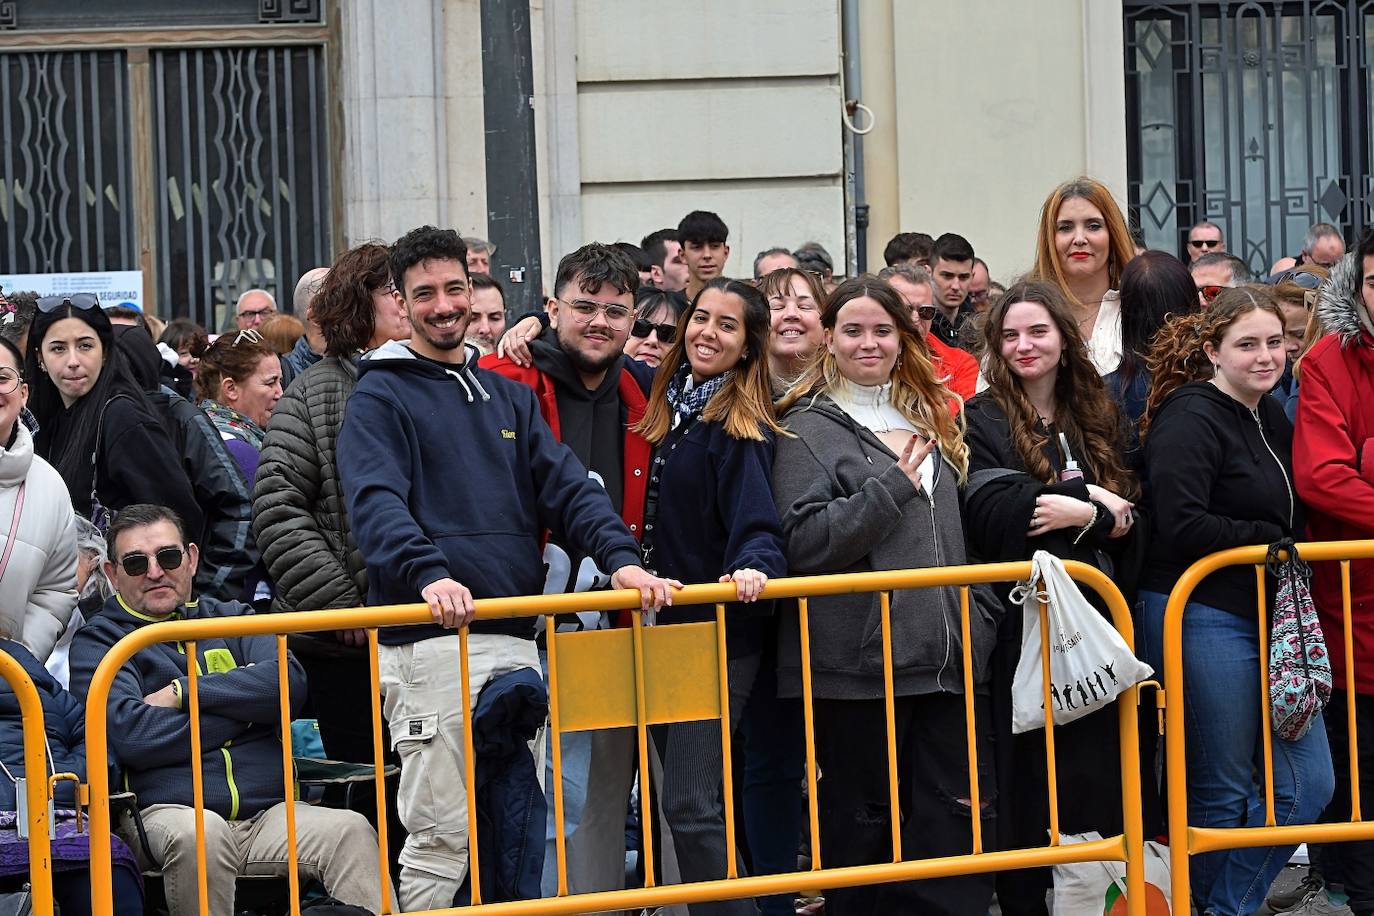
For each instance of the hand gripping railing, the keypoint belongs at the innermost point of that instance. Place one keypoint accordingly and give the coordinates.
(643, 676)
(35, 785)
(1186, 840)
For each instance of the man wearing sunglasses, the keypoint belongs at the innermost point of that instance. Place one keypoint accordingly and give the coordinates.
(152, 565)
(1217, 271)
(958, 369)
(591, 395)
(1204, 238)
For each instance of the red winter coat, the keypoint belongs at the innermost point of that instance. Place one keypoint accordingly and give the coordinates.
(1333, 465)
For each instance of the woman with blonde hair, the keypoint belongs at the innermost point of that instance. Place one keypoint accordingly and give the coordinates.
(795, 298)
(1218, 450)
(870, 481)
(709, 516)
(1082, 247)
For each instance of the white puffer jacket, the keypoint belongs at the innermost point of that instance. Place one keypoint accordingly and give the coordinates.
(38, 587)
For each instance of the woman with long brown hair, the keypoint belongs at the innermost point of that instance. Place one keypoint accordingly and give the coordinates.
(709, 516)
(871, 481)
(1082, 247)
(1218, 449)
(1047, 472)
(795, 298)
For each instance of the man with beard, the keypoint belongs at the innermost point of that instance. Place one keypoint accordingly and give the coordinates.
(592, 396)
(451, 477)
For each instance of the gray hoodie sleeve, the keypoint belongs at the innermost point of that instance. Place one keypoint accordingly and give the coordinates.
(826, 530)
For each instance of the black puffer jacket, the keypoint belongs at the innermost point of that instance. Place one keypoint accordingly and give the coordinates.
(299, 516)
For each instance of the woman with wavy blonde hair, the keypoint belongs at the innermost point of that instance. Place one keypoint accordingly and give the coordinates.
(869, 481)
(1082, 247)
(1046, 472)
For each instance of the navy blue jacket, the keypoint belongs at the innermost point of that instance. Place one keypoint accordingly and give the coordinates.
(239, 710)
(452, 472)
(511, 809)
(64, 721)
(715, 515)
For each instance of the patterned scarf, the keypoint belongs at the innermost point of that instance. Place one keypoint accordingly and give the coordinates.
(688, 402)
(230, 422)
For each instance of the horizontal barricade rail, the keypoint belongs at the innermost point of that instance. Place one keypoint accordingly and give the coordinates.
(650, 675)
(1186, 840)
(37, 789)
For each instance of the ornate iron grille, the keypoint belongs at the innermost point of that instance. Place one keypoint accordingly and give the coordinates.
(1254, 115)
(241, 175)
(64, 170)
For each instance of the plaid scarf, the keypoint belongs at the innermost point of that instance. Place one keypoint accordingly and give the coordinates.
(688, 401)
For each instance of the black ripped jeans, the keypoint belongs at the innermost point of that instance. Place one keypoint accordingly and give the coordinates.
(932, 766)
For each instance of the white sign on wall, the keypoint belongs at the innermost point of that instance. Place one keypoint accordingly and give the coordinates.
(112, 287)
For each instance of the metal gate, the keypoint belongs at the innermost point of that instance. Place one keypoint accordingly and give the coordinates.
(186, 140)
(64, 169)
(1254, 115)
(241, 175)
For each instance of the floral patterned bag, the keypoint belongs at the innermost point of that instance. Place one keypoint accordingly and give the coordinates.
(1299, 667)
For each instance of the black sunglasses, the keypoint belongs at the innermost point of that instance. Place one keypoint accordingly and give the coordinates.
(926, 312)
(76, 300)
(136, 564)
(642, 328)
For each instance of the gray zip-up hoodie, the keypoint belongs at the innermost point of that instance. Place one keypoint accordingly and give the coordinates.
(847, 507)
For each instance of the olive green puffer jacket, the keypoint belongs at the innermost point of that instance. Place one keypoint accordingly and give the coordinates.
(299, 517)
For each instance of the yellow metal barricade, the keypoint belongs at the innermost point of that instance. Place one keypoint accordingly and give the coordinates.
(639, 677)
(1186, 840)
(36, 784)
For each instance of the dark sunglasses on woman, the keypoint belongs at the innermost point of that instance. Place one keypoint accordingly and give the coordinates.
(642, 328)
(76, 300)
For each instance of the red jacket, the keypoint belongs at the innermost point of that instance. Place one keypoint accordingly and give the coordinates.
(1333, 468)
(958, 369)
(637, 448)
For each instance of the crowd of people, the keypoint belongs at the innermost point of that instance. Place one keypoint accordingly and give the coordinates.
(659, 423)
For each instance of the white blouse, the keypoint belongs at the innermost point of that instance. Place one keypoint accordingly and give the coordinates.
(1104, 346)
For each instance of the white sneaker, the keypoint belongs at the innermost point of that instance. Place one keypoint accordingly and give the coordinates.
(1317, 904)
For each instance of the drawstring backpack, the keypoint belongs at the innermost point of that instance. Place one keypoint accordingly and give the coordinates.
(1299, 666)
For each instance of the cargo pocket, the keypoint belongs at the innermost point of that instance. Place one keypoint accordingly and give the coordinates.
(414, 742)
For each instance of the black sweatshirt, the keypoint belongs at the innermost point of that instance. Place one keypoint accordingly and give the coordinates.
(1220, 477)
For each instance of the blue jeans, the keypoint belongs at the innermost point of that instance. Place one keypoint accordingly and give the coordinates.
(1222, 721)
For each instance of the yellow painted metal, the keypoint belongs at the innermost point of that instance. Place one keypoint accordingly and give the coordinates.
(726, 758)
(197, 776)
(687, 673)
(36, 787)
(1346, 625)
(668, 695)
(971, 731)
(1046, 682)
(288, 775)
(890, 710)
(646, 815)
(1187, 840)
(379, 768)
(809, 714)
(601, 657)
(1265, 726)
(555, 739)
(470, 767)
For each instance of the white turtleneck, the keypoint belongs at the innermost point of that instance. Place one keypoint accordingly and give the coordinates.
(871, 406)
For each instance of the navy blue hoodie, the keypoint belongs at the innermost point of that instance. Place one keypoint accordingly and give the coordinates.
(451, 472)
